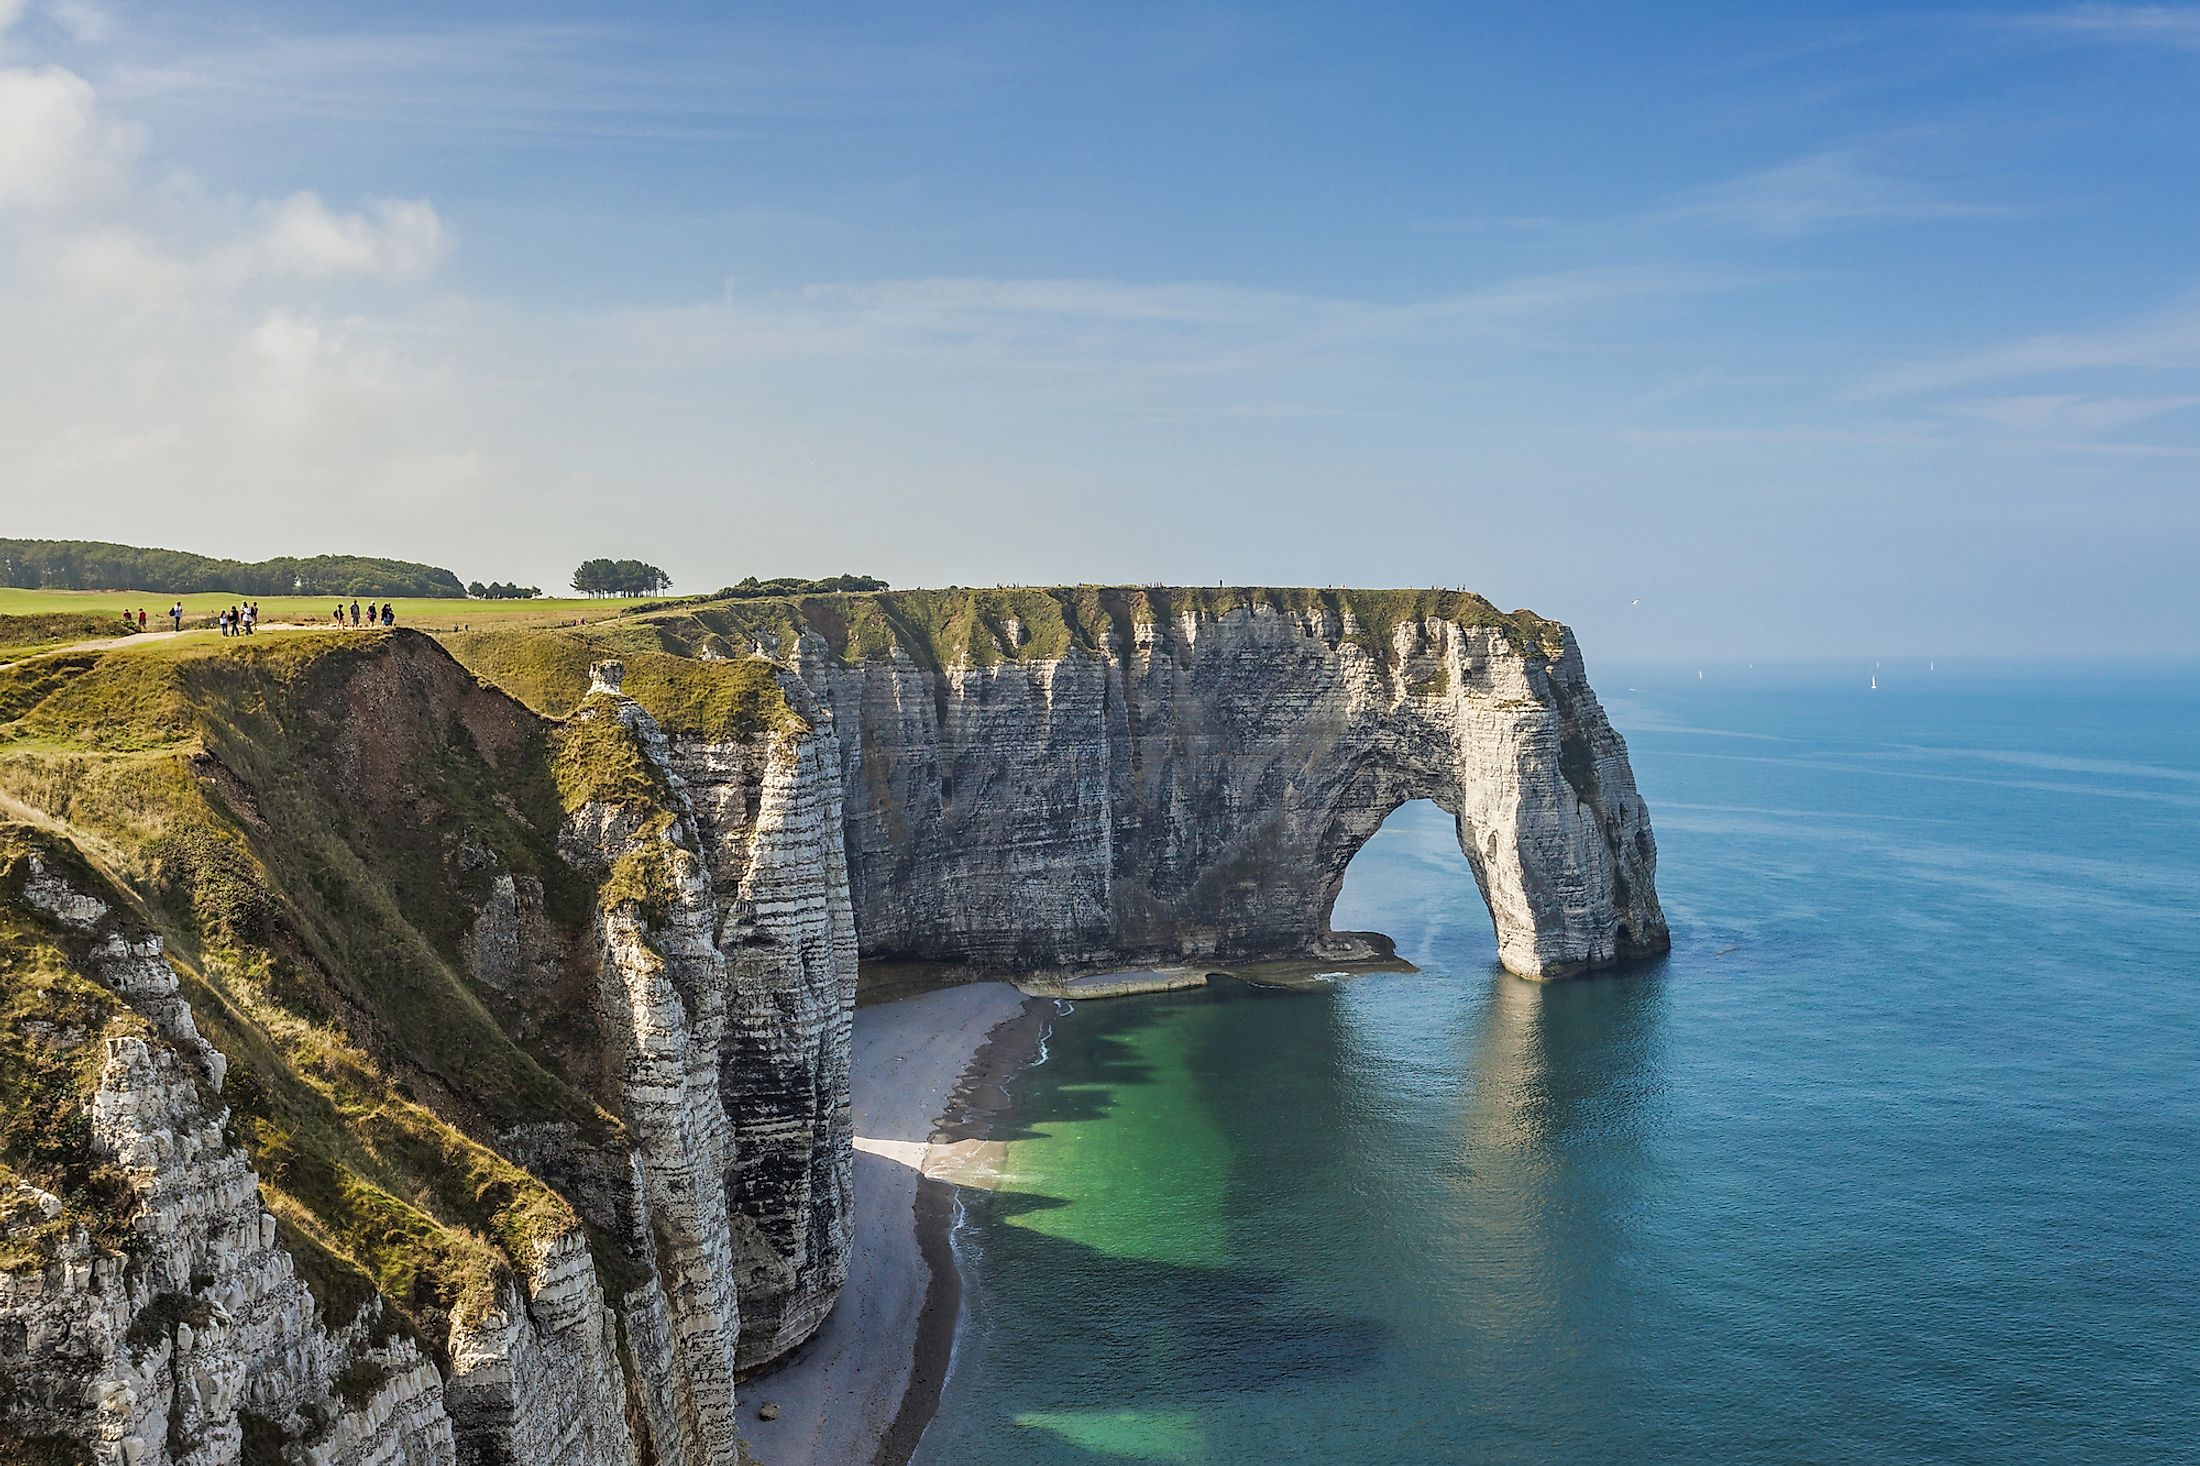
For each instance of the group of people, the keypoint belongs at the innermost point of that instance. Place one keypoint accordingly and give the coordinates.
(135, 620)
(385, 616)
(244, 620)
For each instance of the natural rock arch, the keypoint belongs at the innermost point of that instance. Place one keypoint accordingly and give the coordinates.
(1195, 789)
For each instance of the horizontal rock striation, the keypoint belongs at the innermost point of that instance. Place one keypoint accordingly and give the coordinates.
(199, 1330)
(1072, 778)
(403, 1065)
(542, 1031)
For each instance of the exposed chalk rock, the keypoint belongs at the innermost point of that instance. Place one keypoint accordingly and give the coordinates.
(1195, 790)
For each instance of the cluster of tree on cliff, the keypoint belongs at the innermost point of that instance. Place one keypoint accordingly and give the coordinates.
(752, 589)
(99, 565)
(619, 578)
(497, 590)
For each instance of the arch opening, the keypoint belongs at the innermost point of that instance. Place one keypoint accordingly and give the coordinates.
(1410, 883)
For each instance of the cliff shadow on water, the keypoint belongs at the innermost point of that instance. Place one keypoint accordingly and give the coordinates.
(1236, 1223)
(469, 1019)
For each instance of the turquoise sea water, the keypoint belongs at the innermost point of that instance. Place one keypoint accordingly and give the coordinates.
(1896, 1158)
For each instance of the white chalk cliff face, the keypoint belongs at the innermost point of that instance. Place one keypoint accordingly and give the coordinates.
(1196, 790)
(735, 988)
(162, 1353)
(724, 975)
(1183, 785)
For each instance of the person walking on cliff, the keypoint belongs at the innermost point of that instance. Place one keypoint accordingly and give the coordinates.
(389, 614)
(175, 616)
(355, 613)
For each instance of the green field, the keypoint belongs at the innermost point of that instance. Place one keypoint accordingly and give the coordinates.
(424, 613)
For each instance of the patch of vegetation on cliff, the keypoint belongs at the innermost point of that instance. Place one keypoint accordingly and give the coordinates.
(21, 636)
(984, 627)
(728, 700)
(601, 761)
(54, 1027)
(315, 823)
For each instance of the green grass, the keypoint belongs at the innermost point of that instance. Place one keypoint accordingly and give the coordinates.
(108, 605)
(548, 671)
(982, 627)
(53, 1027)
(287, 812)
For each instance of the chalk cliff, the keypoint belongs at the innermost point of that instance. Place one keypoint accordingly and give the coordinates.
(1088, 776)
(517, 1125)
(438, 1052)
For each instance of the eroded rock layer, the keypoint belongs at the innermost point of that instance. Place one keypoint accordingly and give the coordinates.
(1070, 778)
(539, 1029)
(404, 1065)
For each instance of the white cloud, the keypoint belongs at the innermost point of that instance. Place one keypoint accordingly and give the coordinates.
(84, 20)
(56, 151)
(121, 262)
(395, 239)
(10, 12)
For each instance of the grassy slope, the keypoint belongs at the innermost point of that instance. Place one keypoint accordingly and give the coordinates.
(982, 627)
(303, 819)
(53, 1028)
(107, 606)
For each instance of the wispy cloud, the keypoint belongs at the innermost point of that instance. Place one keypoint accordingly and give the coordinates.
(1181, 328)
(516, 80)
(2071, 412)
(2166, 340)
(2175, 26)
(1823, 191)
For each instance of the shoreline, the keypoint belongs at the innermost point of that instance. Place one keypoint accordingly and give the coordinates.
(923, 1070)
(963, 1126)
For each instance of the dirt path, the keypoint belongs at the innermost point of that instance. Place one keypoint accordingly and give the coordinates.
(142, 638)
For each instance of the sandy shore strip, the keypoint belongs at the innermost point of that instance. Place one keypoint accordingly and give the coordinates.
(865, 1386)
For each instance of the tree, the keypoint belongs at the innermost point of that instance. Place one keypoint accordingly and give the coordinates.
(619, 578)
(98, 565)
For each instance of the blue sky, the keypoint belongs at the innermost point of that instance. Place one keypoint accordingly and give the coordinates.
(1721, 331)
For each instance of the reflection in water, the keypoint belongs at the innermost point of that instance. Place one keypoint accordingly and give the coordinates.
(1556, 1110)
(1775, 1200)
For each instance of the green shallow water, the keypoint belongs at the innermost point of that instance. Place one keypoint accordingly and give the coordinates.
(1893, 1159)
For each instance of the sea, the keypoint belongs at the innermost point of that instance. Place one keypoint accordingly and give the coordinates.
(1896, 1158)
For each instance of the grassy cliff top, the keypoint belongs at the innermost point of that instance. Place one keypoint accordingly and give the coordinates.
(732, 699)
(313, 823)
(965, 626)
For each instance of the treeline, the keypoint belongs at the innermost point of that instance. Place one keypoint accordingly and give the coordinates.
(619, 578)
(788, 585)
(497, 590)
(98, 565)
